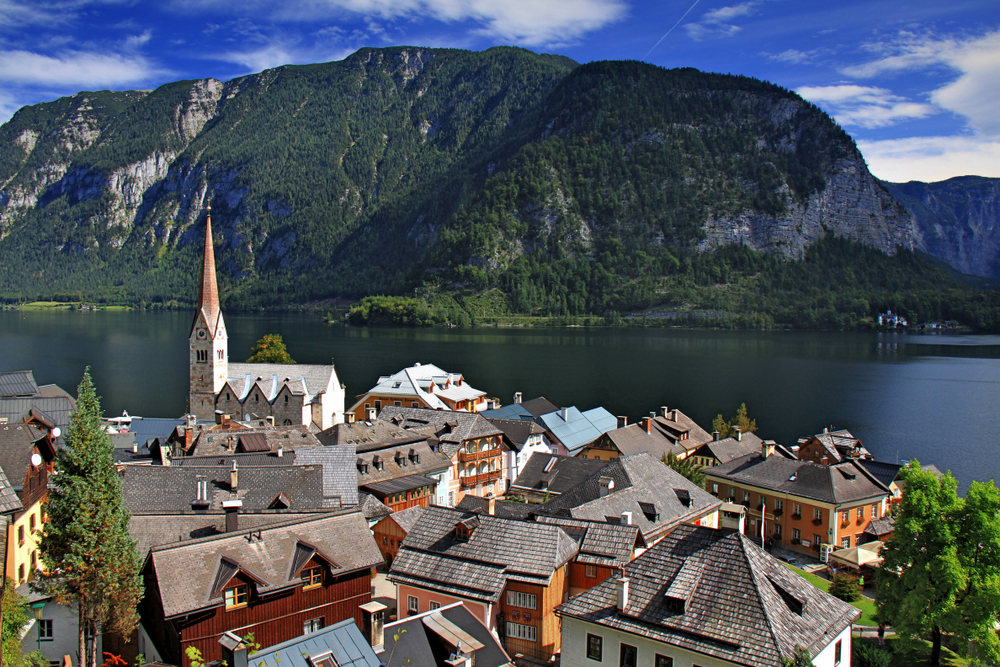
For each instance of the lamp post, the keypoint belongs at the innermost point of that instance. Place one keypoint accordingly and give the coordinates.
(36, 609)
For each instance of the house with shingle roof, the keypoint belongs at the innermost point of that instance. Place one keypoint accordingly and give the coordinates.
(707, 597)
(272, 581)
(637, 490)
(804, 504)
(27, 452)
(546, 476)
(714, 452)
(419, 386)
(450, 636)
(604, 549)
(392, 530)
(525, 439)
(831, 447)
(571, 429)
(511, 574)
(23, 401)
(670, 432)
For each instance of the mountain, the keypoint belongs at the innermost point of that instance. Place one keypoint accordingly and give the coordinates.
(558, 188)
(958, 221)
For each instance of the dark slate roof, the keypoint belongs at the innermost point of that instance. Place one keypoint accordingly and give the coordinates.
(399, 484)
(451, 429)
(739, 603)
(728, 449)
(539, 406)
(171, 489)
(370, 436)
(373, 508)
(428, 639)
(512, 411)
(340, 478)
(880, 527)
(187, 572)
(498, 549)
(146, 429)
(563, 474)
(641, 483)
(517, 431)
(18, 384)
(343, 641)
(601, 543)
(17, 443)
(694, 436)
(427, 462)
(839, 483)
(216, 439)
(9, 502)
(882, 471)
(505, 509)
(57, 409)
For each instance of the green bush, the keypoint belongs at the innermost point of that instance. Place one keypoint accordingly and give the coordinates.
(845, 587)
(870, 655)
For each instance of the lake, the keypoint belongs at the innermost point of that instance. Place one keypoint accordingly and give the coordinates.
(933, 398)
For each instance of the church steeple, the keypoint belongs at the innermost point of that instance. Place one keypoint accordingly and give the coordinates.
(209, 356)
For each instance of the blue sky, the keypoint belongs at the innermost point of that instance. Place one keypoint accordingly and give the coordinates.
(916, 83)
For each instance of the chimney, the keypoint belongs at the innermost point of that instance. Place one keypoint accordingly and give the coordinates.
(664, 411)
(564, 413)
(188, 437)
(767, 448)
(269, 420)
(200, 501)
(605, 485)
(351, 417)
(715, 436)
(491, 506)
(674, 414)
(190, 420)
(372, 620)
(626, 518)
(739, 432)
(232, 509)
(517, 397)
(234, 478)
(647, 424)
(622, 421)
(281, 451)
(825, 430)
(218, 416)
(370, 414)
(622, 594)
(135, 447)
(227, 420)
(234, 650)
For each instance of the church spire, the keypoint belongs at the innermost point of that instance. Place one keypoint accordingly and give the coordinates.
(208, 298)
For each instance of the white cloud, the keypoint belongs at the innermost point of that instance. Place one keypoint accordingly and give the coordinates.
(77, 69)
(134, 42)
(931, 159)
(725, 14)
(975, 95)
(796, 57)
(717, 23)
(865, 106)
(8, 105)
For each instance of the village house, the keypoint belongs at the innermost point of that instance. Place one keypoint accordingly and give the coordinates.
(23, 401)
(392, 530)
(278, 582)
(717, 451)
(525, 438)
(703, 596)
(804, 504)
(570, 430)
(670, 432)
(546, 476)
(420, 386)
(449, 636)
(831, 447)
(511, 574)
(522, 410)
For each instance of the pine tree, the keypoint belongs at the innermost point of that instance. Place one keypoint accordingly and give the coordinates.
(270, 349)
(89, 559)
(727, 429)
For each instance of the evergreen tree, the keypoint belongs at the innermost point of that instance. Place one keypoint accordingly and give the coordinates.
(270, 349)
(727, 429)
(89, 559)
(941, 567)
(686, 467)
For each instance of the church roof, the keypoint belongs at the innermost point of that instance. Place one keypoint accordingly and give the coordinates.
(301, 379)
(208, 296)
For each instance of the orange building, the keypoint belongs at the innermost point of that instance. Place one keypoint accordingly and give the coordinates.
(420, 386)
(801, 504)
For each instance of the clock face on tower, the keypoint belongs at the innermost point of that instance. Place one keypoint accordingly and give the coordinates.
(201, 333)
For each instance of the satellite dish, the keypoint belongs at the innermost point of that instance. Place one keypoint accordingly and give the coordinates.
(36, 459)
(56, 432)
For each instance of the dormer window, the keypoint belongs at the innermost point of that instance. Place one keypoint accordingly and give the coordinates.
(312, 577)
(414, 457)
(237, 596)
(362, 467)
(377, 462)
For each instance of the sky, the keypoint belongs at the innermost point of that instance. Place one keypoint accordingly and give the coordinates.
(915, 82)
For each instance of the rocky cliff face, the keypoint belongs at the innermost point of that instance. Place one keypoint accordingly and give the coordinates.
(958, 221)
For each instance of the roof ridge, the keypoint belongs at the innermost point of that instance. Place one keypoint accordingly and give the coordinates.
(743, 541)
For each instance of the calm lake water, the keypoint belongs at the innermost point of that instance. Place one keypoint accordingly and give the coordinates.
(933, 398)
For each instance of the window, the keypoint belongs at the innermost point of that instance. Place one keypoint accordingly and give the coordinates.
(312, 625)
(237, 596)
(861, 513)
(845, 543)
(312, 577)
(875, 511)
(817, 514)
(432, 605)
(378, 405)
(34, 560)
(836, 652)
(746, 499)
(777, 530)
(20, 572)
(796, 509)
(414, 404)
(817, 540)
(45, 630)
(286, 398)
(31, 521)
(715, 488)
(519, 599)
(398, 404)
(796, 534)
(779, 505)
(663, 661)
(628, 656)
(590, 571)
(595, 647)
(521, 631)
(412, 604)
(847, 516)
(20, 535)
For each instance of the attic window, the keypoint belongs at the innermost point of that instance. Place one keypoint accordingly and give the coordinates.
(649, 510)
(280, 502)
(362, 467)
(377, 462)
(676, 605)
(548, 466)
(684, 496)
(397, 385)
(464, 529)
(613, 519)
(847, 475)
(414, 456)
(796, 604)
(237, 596)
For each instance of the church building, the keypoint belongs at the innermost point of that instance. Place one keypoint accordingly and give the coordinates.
(293, 394)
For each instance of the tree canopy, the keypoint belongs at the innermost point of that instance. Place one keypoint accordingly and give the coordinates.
(727, 429)
(270, 349)
(89, 559)
(941, 567)
(686, 467)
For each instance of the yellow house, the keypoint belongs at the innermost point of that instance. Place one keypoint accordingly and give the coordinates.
(26, 455)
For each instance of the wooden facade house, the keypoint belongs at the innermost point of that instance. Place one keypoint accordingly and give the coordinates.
(277, 582)
(419, 386)
(392, 530)
(605, 548)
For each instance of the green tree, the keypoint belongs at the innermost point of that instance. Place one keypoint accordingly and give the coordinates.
(15, 616)
(800, 658)
(941, 567)
(89, 558)
(270, 349)
(727, 429)
(845, 587)
(686, 467)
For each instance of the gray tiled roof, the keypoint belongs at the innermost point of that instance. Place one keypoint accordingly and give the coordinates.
(498, 549)
(215, 439)
(739, 603)
(633, 439)
(399, 484)
(372, 507)
(145, 429)
(728, 449)
(343, 640)
(17, 443)
(539, 406)
(428, 462)
(564, 473)
(601, 543)
(370, 436)
(186, 572)
(9, 502)
(839, 483)
(451, 429)
(505, 509)
(879, 527)
(18, 383)
(57, 408)
(243, 376)
(339, 470)
(517, 431)
(640, 483)
(407, 518)
(415, 641)
(883, 472)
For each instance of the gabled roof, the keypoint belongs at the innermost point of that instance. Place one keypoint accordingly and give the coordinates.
(836, 484)
(372, 507)
(17, 443)
(308, 379)
(633, 439)
(554, 474)
(717, 593)
(410, 459)
(601, 543)
(517, 431)
(431, 638)
(575, 429)
(343, 641)
(408, 518)
(186, 573)
(505, 509)
(57, 409)
(372, 436)
(514, 411)
(450, 429)
(18, 384)
(9, 502)
(882, 471)
(539, 406)
(728, 449)
(426, 381)
(399, 484)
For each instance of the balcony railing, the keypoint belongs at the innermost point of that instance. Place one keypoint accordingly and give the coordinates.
(472, 480)
(466, 457)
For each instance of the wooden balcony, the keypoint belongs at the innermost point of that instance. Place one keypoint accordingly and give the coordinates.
(468, 457)
(486, 477)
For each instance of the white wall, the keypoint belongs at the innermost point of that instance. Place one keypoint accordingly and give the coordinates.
(64, 633)
(825, 657)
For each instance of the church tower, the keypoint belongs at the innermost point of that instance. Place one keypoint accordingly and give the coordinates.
(209, 353)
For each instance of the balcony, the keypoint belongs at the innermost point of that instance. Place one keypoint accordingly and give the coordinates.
(796, 517)
(468, 457)
(817, 522)
(473, 480)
